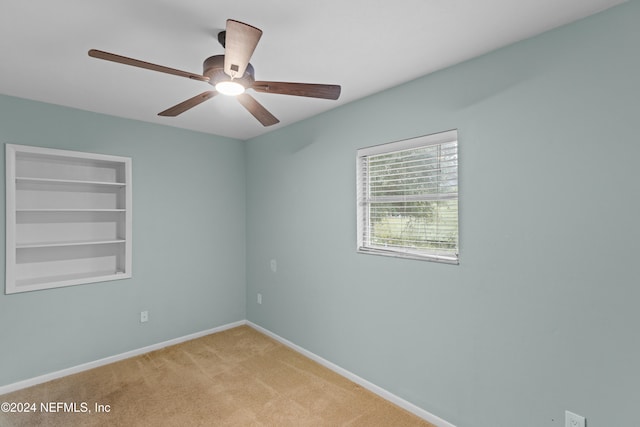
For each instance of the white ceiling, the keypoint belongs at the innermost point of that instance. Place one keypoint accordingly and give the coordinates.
(363, 45)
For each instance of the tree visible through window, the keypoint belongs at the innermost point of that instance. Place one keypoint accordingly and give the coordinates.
(408, 198)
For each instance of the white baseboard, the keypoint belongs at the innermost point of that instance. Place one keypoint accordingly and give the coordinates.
(425, 415)
(416, 410)
(111, 359)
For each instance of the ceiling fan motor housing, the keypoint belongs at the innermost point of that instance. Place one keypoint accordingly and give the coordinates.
(214, 69)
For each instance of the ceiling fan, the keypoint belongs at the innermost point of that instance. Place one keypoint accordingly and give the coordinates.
(231, 74)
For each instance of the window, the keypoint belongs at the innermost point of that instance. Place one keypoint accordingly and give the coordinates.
(408, 198)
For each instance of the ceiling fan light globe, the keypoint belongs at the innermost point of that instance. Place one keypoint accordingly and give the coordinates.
(230, 88)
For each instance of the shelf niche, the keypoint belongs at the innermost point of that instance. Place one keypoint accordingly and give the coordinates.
(68, 218)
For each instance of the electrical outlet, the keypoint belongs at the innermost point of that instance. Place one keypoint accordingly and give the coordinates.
(259, 298)
(144, 316)
(274, 265)
(574, 420)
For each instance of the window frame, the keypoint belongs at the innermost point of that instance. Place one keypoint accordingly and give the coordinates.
(363, 204)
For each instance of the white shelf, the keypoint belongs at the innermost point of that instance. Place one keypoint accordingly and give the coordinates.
(69, 279)
(68, 218)
(70, 182)
(60, 244)
(70, 210)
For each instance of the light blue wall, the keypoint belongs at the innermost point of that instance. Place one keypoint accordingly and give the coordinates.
(542, 313)
(188, 243)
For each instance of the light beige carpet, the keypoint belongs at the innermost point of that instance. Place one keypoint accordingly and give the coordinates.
(238, 377)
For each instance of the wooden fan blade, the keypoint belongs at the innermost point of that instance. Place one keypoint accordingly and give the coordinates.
(241, 40)
(258, 111)
(299, 89)
(188, 104)
(142, 64)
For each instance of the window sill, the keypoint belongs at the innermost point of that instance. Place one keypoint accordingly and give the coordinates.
(409, 255)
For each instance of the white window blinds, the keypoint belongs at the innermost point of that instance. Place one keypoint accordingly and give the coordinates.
(408, 198)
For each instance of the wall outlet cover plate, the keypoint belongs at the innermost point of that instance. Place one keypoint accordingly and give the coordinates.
(573, 420)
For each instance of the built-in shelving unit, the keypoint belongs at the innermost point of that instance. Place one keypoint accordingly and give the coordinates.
(68, 218)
